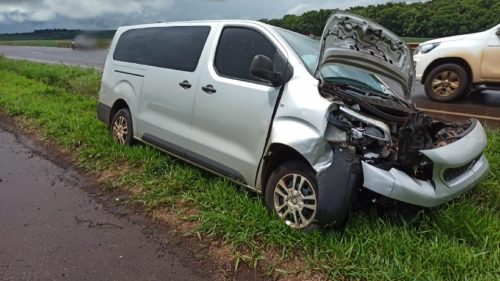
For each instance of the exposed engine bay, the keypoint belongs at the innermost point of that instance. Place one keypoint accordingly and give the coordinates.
(386, 131)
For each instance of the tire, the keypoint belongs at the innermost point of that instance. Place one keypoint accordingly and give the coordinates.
(121, 129)
(447, 82)
(298, 207)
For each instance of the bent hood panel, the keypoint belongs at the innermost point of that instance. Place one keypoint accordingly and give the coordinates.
(357, 42)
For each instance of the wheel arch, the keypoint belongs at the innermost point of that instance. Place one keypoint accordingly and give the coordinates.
(277, 154)
(117, 105)
(124, 93)
(298, 138)
(455, 60)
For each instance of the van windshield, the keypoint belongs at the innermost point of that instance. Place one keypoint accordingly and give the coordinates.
(308, 50)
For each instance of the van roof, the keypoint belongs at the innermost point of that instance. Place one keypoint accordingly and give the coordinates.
(158, 24)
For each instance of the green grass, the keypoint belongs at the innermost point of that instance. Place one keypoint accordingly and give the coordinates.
(37, 43)
(458, 241)
(415, 39)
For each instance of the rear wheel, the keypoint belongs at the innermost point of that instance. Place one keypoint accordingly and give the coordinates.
(121, 127)
(292, 194)
(446, 83)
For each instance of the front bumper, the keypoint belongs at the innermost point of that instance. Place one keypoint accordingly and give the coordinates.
(463, 155)
(421, 62)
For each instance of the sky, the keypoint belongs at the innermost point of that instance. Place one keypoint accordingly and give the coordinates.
(27, 15)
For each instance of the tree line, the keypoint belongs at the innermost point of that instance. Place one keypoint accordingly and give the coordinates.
(435, 18)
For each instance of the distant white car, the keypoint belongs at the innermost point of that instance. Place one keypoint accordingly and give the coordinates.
(453, 66)
(83, 42)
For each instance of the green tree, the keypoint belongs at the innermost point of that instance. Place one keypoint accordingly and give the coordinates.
(435, 18)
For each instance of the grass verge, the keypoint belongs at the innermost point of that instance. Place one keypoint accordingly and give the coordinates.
(415, 39)
(458, 241)
(49, 43)
(37, 43)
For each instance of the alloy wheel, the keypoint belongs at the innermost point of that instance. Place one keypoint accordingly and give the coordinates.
(445, 83)
(295, 200)
(120, 129)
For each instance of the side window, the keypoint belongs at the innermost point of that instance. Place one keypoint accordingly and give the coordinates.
(237, 48)
(176, 47)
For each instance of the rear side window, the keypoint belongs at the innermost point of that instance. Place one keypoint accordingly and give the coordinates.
(176, 47)
(237, 48)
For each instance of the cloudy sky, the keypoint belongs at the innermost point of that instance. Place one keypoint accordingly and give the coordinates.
(27, 15)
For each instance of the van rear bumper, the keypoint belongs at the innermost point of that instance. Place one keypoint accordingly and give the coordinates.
(103, 112)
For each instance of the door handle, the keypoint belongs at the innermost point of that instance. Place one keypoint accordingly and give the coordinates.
(209, 89)
(185, 84)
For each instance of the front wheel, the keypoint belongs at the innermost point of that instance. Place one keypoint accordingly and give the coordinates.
(292, 194)
(120, 128)
(447, 82)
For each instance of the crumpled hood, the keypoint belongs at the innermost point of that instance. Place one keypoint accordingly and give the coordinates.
(358, 42)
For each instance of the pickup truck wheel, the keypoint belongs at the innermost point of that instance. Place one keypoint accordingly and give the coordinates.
(292, 194)
(447, 82)
(121, 127)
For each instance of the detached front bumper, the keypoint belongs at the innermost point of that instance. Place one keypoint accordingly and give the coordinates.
(458, 167)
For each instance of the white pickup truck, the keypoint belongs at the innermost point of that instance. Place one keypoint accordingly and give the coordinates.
(451, 67)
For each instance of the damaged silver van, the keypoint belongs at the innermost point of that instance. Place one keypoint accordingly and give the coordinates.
(307, 123)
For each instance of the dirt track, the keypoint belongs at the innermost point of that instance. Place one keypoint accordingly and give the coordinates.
(54, 225)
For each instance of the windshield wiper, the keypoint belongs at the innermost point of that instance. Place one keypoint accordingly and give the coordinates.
(362, 90)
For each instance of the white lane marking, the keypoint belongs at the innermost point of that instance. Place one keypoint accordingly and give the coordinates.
(37, 52)
(460, 114)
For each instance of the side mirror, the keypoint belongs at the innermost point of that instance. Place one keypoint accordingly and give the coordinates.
(498, 31)
(262, 68)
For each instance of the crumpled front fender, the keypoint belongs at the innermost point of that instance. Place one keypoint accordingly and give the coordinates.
(305, 139)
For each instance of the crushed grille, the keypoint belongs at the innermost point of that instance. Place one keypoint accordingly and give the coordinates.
(453, 173)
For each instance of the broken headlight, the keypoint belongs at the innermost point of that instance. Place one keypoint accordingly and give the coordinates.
(368, 127)
(367, 137)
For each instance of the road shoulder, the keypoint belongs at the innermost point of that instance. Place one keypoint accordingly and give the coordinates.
(58, 223)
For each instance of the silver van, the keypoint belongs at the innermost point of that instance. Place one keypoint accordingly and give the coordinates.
(307, 123)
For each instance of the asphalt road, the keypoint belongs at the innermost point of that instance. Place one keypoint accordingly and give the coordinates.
(485, 106)
(91, 58)
(52, 226)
